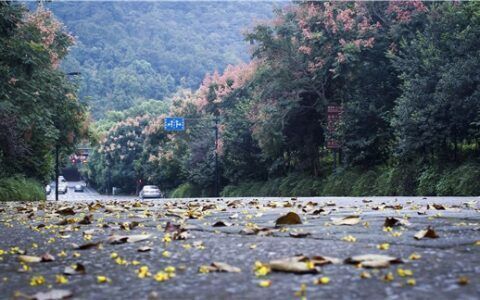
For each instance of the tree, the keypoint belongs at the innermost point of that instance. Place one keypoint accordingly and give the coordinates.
(438, 108)
(38, 104)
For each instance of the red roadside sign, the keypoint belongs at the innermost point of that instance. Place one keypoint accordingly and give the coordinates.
(333, 117)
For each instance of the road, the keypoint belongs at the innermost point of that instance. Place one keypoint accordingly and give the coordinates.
(89, 194)
(447, 267)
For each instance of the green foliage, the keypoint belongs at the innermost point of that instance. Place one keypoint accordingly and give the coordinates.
(405, 73)
(38, 105)
(365, 183)
(19, 188)
(132, 51)
(428, 180)
(185, 190)
(440, 101)
(383, 181)
(461, 181)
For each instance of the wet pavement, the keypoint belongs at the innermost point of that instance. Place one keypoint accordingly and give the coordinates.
(447, 267)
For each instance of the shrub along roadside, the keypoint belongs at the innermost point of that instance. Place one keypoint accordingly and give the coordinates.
(19, 188)
(399, 180)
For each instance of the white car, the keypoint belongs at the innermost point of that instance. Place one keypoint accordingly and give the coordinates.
(79, 188)
(48, 189)
(150, 191)
(62, 188)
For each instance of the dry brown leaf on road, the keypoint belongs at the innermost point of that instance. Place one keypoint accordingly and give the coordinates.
(219, 267)
(224, 267)
(373, 260)
(348, 220)
(86, 246)
(144, 249)
(121, 239)
(290, 218)
(75, 269)
(296, 264)
(65, 211)
(46, 257)
(66, 221)
(29, 258)
(436, 206)
(86, 220)
(299, 234)
(394, 222)
(324, 260)
(54, 294)
(129, 225)
(222, 224)
(171, 227)
(426, 233)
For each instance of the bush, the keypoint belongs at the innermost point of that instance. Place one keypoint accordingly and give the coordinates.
(365, 185)
(406, 179)
(19, 188)
(339, 184)
(185, 190)
(462, 181)
(398, 180)
(427, 181)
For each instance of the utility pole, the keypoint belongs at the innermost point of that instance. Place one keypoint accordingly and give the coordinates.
(56, 171)
(216, 157)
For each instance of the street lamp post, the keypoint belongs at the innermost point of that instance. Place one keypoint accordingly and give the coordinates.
(57, 150)
(216, 157)
(56, 171)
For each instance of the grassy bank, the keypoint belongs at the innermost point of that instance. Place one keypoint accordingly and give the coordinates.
(19, 188)
(463, 180)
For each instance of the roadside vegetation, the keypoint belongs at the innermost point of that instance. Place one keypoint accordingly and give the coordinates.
(19, 188)
(405, 73)
(39, 110)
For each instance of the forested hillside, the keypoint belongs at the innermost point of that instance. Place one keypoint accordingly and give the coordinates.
(405, 73)
(131, 51)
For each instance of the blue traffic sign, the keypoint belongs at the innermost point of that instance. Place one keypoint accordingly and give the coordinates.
(174, 124)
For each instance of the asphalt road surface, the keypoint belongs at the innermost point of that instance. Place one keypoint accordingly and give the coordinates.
(131, 253)
(89, 194)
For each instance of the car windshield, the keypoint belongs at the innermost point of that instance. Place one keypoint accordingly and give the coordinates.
(150, 188)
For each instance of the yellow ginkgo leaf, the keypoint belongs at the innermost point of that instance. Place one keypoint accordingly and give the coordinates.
(265, 283)
(37, 280)
(388, 277)
(383, 246)
(322, 280)
(60, 279)
(161, 276)
(414, 256)
(103, 279)
(349, 238)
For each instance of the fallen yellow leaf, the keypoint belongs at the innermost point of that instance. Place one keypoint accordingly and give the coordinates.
(384, 246)
(388, 277)
(414, 256)
(60, 279)
(37, 280)
(103, 279)
(349, 238)
(265, 283)
(322, 280)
